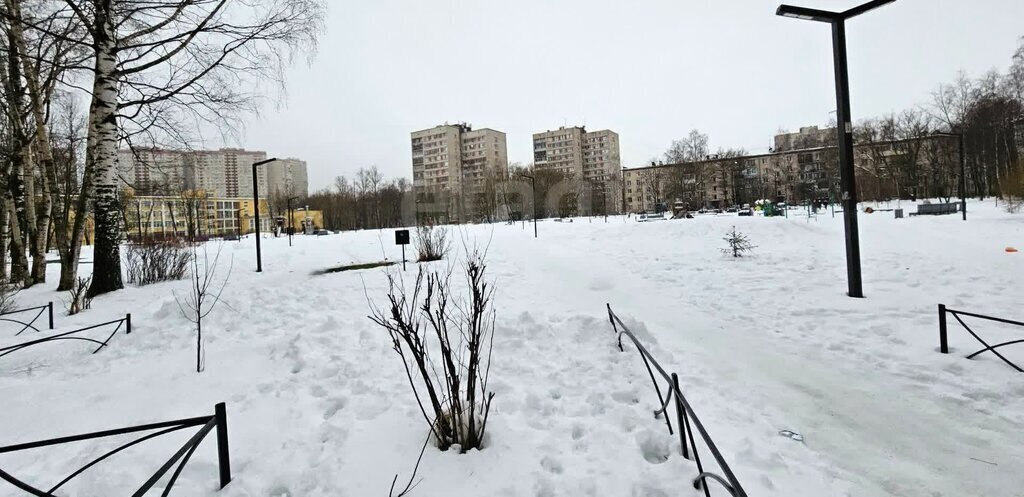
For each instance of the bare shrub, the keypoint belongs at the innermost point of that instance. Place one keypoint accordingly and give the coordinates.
(1014, 205)
(7, 293)
(78, 297)
(156, 261)
(203, 294)
(738, 243)
(462, 329)
(1014, 190)
(432, 243)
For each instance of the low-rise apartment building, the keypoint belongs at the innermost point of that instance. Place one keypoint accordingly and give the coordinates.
(916, 167)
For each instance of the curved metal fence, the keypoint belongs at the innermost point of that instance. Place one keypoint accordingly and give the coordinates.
(217, 421)
(686, 419)
(944, 342)
(126, 321)
(31, 322)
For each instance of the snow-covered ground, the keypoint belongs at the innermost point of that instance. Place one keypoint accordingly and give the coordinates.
(318, 403)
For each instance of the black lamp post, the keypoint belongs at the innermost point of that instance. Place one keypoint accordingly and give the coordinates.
(959, 135)
(291, 216)
(256, 209)
(844, 128)
(533, 185)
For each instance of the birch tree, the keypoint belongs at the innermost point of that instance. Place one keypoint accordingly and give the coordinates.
(15, 194)
(170, 69)
(42, 48)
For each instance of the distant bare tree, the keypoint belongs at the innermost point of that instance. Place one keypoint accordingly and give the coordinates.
(694, 147)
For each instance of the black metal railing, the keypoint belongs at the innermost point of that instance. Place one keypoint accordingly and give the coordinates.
(218, 420)
(126, 321)
(684, 417)
(944, 343)
(31, 322)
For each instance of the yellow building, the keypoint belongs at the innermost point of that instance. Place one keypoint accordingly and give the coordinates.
(303, 220)
(193, 213)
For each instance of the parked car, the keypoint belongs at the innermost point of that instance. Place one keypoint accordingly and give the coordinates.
(322, 232)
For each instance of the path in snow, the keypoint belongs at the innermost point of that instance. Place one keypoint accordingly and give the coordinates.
(318, 403)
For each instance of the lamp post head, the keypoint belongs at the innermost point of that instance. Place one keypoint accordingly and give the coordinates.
(827, 16)
(266, 161)
(807, 14)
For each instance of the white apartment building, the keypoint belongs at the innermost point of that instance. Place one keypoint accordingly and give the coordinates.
(287, 178)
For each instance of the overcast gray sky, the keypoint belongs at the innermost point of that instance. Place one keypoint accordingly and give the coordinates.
(649, 70)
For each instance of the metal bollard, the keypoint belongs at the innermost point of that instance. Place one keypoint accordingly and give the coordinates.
(943, 344)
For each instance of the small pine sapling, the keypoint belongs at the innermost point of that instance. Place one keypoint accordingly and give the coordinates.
(738, 243)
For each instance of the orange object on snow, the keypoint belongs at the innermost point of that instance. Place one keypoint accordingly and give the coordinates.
(1011, 249)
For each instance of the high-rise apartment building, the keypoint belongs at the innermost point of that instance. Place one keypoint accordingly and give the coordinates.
(152, 171)
(287, 178)
(223, 173)
(593, 156)
(455, 161)
(807, 137)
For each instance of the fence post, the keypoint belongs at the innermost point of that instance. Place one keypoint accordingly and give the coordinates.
(615, 329)
(943, 344)
(128, 323)
(222, 444)
(679, 417)
(50, 306)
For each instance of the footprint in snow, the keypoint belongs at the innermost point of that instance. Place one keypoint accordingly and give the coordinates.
(577, 432)
(654, 448)
(626, 397)
(551, 465)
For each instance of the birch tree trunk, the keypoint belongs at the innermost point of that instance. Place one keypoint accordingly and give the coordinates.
(69, 258)
(31, 231)
(5, 234)
(19, 263)
(103, 144)
(16, 205)
(38, 234)
(16, 195)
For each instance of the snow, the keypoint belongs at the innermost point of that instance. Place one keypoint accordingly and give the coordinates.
(318, 403)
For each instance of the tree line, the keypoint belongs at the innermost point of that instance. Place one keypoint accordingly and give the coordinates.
(368, 201)
(909, 154)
